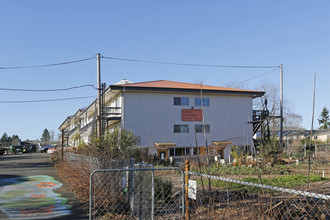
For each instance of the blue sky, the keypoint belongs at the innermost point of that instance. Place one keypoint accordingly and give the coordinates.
(293, 33)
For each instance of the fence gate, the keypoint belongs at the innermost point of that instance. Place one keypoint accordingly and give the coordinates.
(137, 193)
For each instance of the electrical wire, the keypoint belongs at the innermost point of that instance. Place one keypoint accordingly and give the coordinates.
(189, 64)
(46, 65)
(47, 90)
(257, 76)
(141, 61)
(48, 100)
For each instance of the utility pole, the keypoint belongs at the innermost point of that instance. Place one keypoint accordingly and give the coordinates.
(312, 126)
(62, 154)
(99, 95)
(281, 124)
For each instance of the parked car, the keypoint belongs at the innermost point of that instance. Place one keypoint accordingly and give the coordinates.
(29, 148)
(44, 149)
(51, 150)
(16, 149)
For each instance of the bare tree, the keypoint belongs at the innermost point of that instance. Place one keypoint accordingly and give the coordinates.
(271, 101)
(290, 117)
(59, 137)
(52, 135)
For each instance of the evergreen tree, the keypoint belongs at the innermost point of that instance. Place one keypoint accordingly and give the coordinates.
(5, 140)
(15, 140)
(45, 137)
(324, 119)
(118, 144)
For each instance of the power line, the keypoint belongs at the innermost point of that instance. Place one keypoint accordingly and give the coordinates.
(257, 76)
(47, 100)
(46, 65)
(190, 64)
(47, 90)
(142, 61)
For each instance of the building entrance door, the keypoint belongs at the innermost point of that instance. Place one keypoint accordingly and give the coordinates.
(162, 154)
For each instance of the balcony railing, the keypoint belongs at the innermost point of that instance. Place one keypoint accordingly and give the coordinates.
(85, 128)
(112, 113)
(73, 131)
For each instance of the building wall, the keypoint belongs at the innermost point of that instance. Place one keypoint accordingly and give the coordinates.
(321, 137)
(152, 116)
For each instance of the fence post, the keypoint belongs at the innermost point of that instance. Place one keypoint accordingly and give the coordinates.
(91, 196)
(187, 168)
(152, 195)
(131, 186)
(309, 167)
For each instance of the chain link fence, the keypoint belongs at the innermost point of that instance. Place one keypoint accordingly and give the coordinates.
(124, 190)
(94, 163)
(320, 153)
(242, 197)
(137, 193)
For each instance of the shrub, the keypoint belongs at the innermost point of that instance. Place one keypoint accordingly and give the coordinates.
(118, 144)
(55, 157)
(163, 189)
(77, 177)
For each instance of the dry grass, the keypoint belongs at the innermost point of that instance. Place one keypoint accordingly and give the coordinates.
(77, 178)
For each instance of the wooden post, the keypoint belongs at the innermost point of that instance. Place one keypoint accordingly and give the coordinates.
(187, 168)
(99, 110)
(309, 167)
(62, 155)
(281, 105)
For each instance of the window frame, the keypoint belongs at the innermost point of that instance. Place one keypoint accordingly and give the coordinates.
(183, 128)
(207, 126)
(181, 101)
(206, 101)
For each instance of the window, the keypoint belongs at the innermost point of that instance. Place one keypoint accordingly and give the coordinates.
(196, 151)
(206, 102)
(180, 151)
(181, 101)
(199, 128)
(172, 152)
(181, 128)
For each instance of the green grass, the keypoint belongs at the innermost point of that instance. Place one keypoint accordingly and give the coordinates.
(241, 170)
(288, 181)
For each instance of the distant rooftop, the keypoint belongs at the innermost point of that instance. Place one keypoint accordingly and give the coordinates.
(123, 82)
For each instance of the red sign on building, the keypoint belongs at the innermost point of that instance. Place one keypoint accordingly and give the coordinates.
(191, 115)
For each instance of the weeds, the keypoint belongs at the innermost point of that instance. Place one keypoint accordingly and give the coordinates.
(244, 170)
(77, 177)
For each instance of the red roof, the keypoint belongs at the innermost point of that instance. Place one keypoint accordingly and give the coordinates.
(180, 85)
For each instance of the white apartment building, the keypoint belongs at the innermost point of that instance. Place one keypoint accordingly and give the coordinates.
(168, 116)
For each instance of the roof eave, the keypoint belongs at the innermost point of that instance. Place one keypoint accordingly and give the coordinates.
(254, 94)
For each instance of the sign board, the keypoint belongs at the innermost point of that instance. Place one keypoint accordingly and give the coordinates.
(192, 189)
(191, 115)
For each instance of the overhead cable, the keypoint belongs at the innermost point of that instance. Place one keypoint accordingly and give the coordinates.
(46, 65)
(257, 76)
(143, 61)
(47, 90)
(47, 100)
(189, 64)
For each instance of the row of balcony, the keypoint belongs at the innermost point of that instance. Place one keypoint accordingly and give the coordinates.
(110, 114)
